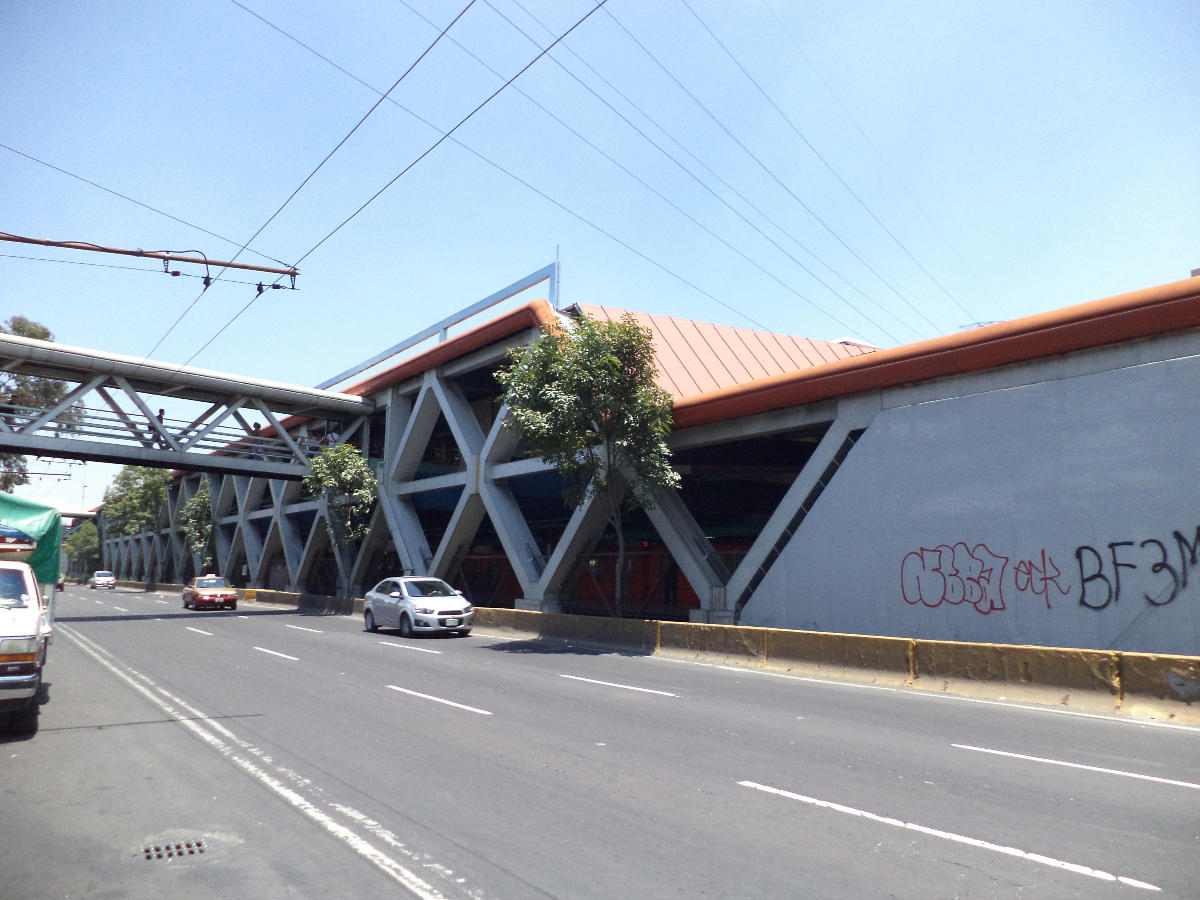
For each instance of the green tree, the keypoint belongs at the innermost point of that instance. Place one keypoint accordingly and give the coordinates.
(342, 476)
(24, 392)
(83, 548)
(586, 401)
(134, 501)
(195, 518)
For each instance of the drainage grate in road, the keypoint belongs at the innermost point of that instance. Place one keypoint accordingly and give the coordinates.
(169, 851)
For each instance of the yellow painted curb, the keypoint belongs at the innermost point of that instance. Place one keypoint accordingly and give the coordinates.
(728, 643)
(842, 655)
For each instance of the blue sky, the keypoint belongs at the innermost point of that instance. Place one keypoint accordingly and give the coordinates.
(977, 161)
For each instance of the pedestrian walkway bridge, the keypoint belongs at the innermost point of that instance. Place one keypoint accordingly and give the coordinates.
(113, 412)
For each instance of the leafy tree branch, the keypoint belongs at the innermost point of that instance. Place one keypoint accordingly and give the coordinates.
(586, 401)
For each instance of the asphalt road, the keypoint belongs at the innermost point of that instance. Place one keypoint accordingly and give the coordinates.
(293, 755)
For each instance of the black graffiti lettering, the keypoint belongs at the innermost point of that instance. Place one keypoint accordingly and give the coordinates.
(1187, 552)
(1163, 566)
(1098, 575)
(1094, 567)
(1118, 566)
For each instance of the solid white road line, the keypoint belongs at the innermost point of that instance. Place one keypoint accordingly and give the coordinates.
(624, 687)
(408, 647)
(745, 670)
(277, 653)
(164, 602)
(198, 631)
(121, 608)
(482, 712)
(199, 726)
(1059, 762)
(957, 838)
(302, 628)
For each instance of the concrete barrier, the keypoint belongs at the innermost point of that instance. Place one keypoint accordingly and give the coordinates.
(719, 643)
(849, 656)
(1154, 682)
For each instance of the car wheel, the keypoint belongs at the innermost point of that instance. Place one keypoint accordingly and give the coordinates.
(233, 606)
(406, 629)
(464, 632)
(186, 605)
(91, 587)
(369, 622)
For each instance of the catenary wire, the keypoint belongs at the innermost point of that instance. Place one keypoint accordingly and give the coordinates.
(874, 148)
(706, 187)
(412, 164)
(766, 169)
(134, 201)
(800, 134)
(699, 181)
(76, 262)
(311, 174)
(525, 184)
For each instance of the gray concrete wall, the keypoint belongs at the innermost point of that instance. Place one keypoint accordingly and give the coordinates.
(1054, 504)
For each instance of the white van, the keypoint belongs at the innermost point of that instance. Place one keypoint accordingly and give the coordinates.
(25, 630)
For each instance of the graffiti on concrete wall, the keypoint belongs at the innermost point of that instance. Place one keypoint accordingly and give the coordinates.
(954, 574)
(1040, 577)
(1153, 569)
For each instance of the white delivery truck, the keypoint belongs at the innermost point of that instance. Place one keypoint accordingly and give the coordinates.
(30, 539)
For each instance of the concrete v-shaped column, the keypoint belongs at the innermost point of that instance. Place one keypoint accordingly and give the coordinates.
(852, 414)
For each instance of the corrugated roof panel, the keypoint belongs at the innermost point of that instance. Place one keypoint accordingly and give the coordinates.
(706, 367)
(734, 368)
(698, 357)
(675, 371)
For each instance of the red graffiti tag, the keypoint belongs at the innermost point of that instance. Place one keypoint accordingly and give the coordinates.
(1036, 578)
(954, 574)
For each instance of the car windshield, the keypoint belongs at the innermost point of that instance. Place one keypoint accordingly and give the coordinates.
(429, 587)
(104, 574)
(211, 582)
(13, 591)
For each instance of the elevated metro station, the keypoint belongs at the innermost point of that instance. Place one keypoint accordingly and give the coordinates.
(1021, 482)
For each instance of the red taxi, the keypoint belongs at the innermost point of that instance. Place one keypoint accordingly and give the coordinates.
(209, 591)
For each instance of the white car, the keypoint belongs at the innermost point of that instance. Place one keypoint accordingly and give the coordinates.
(103, 580)
(417, 603)
(25, 631)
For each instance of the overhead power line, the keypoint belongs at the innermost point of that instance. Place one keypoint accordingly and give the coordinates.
(765, 168)
(579, 217)
(874, 149)
(164, 255)
(75, 262)
(653, 190)
(200, 228)
(308, 178)
(820, 157)
(412, 164)
(699, 181)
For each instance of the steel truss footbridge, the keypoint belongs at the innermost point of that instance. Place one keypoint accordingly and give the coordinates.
(113, 412)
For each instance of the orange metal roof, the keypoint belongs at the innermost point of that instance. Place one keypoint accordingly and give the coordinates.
(1139, 314)
(696, 358)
